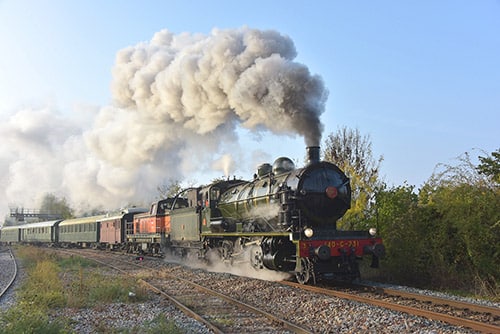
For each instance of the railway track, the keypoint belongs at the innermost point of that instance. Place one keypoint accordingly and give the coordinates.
(476, 317)
(8, 270)
(219, 312)
(318, 312)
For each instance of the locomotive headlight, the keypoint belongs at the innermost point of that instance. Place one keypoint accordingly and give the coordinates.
(372, 231)
(308, 232)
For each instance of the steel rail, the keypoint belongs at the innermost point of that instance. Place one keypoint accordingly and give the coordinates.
(13, 276)
(189, 312)
(186, 310)
(495, 311)
(475, 325)
(283, 323)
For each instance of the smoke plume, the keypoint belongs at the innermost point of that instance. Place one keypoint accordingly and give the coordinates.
(240, 77)
(178, 100)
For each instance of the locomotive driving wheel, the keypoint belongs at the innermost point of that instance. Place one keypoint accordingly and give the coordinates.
(304, 275)
(256, 259)
(226, 252)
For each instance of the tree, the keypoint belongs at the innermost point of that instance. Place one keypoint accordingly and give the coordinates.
(463, 172)
(405, 229)
(467, 237)
(169, 188)
(490, 166)
(53, 205)
(352, 153)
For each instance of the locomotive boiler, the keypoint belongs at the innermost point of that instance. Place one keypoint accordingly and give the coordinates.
(284, 219)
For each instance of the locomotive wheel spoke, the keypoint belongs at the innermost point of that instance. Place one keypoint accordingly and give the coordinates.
(256, 257)
(305, 274)
(226, 252)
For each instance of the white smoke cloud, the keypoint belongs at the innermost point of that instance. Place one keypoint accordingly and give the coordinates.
(242, 76)
(224, 164)
(31, 155)
(177, 103)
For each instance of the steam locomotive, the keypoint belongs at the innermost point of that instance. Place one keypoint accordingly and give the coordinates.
(284, 220)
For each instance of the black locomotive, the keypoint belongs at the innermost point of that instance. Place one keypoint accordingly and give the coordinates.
(284, 220)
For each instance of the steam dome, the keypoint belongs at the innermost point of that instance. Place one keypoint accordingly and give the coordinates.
(283, 165)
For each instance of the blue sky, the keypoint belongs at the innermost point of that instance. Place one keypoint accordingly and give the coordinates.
(422, 78)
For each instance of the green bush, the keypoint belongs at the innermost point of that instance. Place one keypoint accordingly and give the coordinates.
(446, 236)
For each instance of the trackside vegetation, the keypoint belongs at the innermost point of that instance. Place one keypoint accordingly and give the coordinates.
(444, 235)
(54, 282)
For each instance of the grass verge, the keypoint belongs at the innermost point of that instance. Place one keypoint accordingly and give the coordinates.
(53, 282)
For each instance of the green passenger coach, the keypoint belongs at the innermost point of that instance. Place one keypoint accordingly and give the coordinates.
(82, 232)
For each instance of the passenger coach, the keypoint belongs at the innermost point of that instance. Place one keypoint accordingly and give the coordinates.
(10, 234)
(115, 227)
(80, 232)
(43, 232)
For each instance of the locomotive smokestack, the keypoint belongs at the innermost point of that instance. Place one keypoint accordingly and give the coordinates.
(312, 154)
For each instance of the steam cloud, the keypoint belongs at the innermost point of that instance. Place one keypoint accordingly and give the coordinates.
(177, 101)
